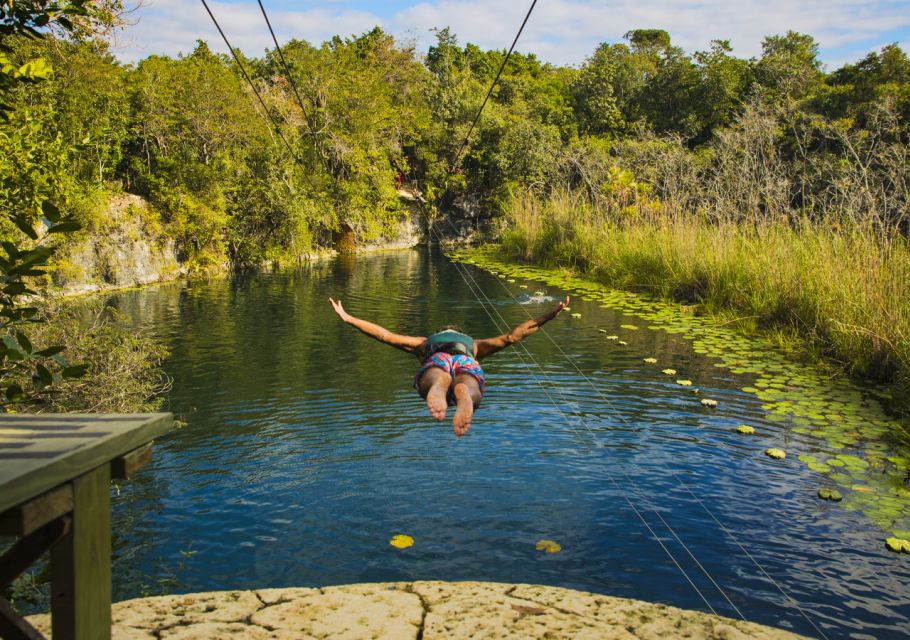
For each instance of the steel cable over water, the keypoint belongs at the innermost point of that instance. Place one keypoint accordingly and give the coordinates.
(613, 481)
(667, 468)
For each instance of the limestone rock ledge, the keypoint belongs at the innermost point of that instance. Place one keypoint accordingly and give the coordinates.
(429, 610)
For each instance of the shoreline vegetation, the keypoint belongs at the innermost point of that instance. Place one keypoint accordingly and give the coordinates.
(769, 186)
(838, 297)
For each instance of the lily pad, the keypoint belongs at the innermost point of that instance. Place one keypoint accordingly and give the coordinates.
(548, 546)
(523, 286)
(602, 330)
(401, 541)
(612, 337)
(830, 494)
(576, 315)
(651, 360)
(684, 383)
(898, 544)
(707, 402)
(622, 342)
(777, 454)
(631, 327)
(669, 372)
(745, 429)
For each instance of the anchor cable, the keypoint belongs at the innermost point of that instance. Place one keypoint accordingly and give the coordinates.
(250, 82)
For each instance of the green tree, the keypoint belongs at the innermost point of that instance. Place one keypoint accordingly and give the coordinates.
(32, 197)
(789, 67)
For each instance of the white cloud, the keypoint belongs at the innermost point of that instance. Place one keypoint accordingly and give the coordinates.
(559, 31)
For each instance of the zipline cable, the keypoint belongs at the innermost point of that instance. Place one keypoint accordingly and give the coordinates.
(565, 417)
(667, 468)
(601, 444)
(287, 68)
(456, 159)
(250, 82)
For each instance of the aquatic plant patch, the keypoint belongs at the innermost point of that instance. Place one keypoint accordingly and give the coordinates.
(851, 439)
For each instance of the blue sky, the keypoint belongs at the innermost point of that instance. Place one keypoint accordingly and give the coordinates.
(560, 31)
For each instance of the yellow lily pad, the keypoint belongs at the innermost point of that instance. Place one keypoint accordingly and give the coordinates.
(830, 494)
(622, 342)
(576, 315)
(862, 489)
(401, 541)
(651, 360)
(684, 383)
(511, 280)
(898, 544)
(707, 402)
(540, 293)
(612, 337)
(669, 372)
(523, 286)
(628, 326)
(746, 429)
(548, 546)
(601, 330)
(777, 454)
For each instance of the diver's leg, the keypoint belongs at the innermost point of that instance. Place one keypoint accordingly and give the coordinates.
(434, 385)
(467, 397)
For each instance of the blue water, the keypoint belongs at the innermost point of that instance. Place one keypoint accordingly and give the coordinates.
(306, 450)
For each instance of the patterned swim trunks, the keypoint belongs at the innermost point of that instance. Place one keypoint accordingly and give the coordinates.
(453, 365)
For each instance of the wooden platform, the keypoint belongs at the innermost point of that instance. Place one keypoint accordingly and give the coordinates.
(55, 473)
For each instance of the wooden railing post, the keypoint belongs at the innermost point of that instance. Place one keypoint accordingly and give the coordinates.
(81, 563)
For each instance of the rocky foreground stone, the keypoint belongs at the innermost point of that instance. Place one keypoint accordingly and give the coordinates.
(425, 609)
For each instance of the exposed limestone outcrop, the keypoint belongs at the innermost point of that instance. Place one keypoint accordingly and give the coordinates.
(427, 610)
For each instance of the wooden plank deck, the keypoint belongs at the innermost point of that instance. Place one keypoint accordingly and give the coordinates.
(55, 471)
(40, 452)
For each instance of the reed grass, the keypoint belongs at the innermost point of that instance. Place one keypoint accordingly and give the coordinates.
(844, 294)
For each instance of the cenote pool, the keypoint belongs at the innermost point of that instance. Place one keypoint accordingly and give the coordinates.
(306, 450)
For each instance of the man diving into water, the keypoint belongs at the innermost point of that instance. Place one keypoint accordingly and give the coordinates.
(450, 374)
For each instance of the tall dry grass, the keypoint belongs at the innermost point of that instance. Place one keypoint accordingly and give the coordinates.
(844, 292)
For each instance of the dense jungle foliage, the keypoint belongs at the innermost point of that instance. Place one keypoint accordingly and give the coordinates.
(638, 119)
(643, 139)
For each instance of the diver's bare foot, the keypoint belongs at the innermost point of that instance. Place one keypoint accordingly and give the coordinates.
(464, 411)
(436, 399)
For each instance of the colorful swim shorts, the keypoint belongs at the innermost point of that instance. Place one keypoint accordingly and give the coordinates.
(453, 365)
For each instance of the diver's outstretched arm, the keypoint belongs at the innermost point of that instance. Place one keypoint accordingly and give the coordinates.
(489, 346)
(411, 344)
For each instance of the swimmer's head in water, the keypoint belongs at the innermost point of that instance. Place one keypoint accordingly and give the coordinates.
(449, 327)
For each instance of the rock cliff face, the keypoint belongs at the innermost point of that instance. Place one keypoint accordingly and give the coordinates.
(127, 250)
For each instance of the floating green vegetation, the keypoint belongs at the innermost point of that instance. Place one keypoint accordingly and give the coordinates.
(830, 494)
(745, 429)
(844, 433)
(576, 315)
(777, 454)
(669, 372)
(650, 360)
(899, 545)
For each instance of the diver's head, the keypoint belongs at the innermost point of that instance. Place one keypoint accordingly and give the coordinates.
(449, 327)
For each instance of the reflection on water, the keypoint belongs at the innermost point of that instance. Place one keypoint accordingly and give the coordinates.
(306, 450)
